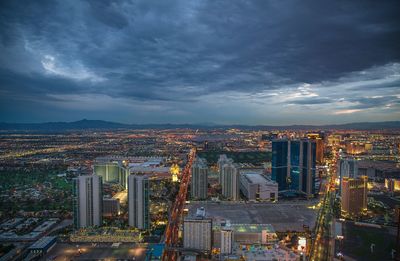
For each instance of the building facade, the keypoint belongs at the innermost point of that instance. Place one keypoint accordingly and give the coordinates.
(255, 186)
(113, 171)
(247, 234)
(226, 240)
(197, 233)
(88, 201)
(347, 168)
(354, 196)
(199, 181)
(111, 207)
(319, 142)
(230, 181)
(294, 165)
(138, 201)
(222, 160)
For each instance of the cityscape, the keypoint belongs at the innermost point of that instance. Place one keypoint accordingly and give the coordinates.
(200, 130)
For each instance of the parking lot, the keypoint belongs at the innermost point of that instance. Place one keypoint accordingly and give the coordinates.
(65, 251)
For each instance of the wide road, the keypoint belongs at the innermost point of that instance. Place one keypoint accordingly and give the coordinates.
(321, 248)
(172, 230)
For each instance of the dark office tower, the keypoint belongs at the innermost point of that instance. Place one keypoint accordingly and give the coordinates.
(308, 157)
(295, 170)
(280, 163)
(293, 165)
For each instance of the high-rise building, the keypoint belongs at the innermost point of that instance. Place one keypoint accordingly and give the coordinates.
(319, 142)
(347, 168)
(138, 201)
(87, 201)
(199, 181)
(112, 171)
(223, 159)
(354, 196)
(226, 240)
(197, 232)
(230, 181)
(280, 163)
(293, 165)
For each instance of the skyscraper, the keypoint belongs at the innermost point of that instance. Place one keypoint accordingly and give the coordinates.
(138, 201)
(319, 141)
(199, 182)
(280, 163)
(293, 165)
(230, 181)
(223, 159)
(354, 196)
(347, 167)
(88, 200)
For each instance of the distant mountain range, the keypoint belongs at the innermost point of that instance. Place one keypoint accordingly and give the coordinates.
(106, 125)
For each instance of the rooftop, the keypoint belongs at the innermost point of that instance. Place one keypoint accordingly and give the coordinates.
(42, 242)
(257, 178)
(249, 228)
(282, 215)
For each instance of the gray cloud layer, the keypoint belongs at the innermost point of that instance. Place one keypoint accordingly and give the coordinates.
(194, 61)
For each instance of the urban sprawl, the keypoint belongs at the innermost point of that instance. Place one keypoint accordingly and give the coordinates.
(193, 194)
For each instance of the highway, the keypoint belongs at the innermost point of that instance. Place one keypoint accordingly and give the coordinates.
(322, 245)
(172, 230)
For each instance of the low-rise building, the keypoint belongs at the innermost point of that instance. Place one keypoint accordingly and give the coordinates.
(247, 234)
(392, 184)
(42, 246)
(111, 207)
(226, 240)
(197, 232)
(255, 186)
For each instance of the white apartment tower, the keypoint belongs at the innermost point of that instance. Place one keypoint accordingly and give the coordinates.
(88, 200)
(199, 183)
(223, 159)
(138, 201)
(230, 181)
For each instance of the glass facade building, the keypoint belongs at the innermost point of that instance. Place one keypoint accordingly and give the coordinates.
(280, 163)
(293, 165)
(112, 172)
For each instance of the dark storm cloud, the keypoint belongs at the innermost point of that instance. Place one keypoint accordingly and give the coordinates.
(311, 101)
(108, 13)
(183, 51)
(372, 102)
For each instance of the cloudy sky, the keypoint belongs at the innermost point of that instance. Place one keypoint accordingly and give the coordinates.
(248, 62)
